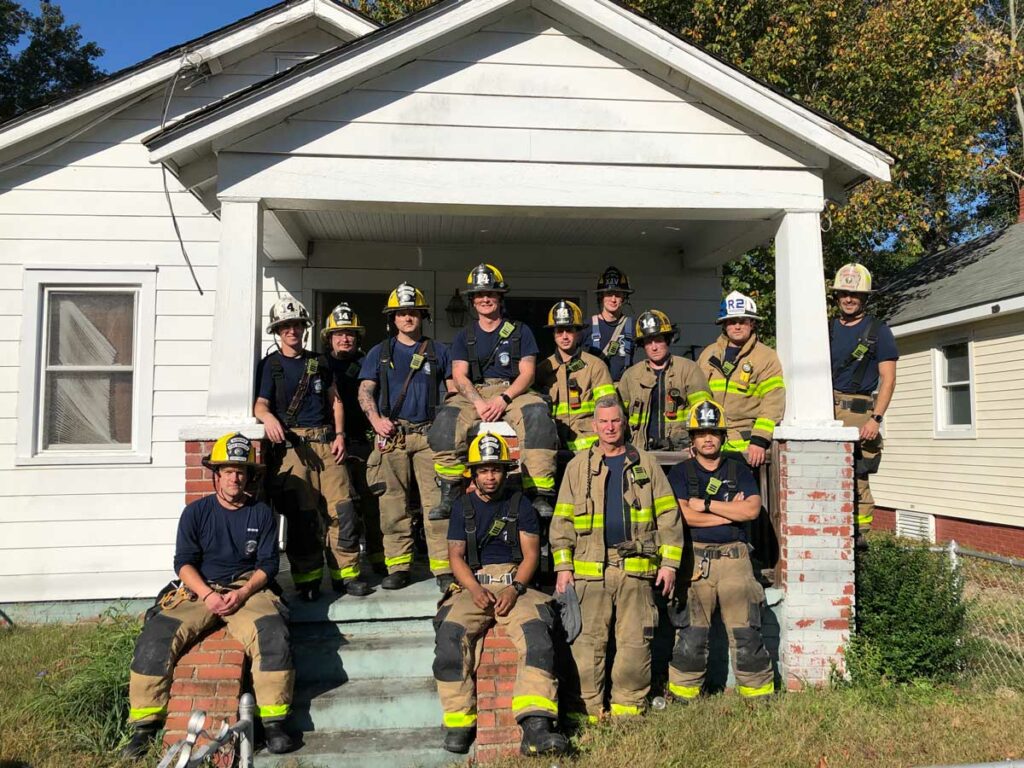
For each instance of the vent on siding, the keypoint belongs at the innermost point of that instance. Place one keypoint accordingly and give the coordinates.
(915, 525)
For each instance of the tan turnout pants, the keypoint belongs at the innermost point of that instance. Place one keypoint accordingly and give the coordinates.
(866, 458)
(396, 470)
(358, 453)
(260, 625)
(624, 605)
(315, 496)
(460, 626)
(730, 584)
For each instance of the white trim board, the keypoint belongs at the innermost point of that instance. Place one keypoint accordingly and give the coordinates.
(979, 312)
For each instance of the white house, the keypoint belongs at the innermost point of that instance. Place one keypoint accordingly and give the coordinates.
(307, 153)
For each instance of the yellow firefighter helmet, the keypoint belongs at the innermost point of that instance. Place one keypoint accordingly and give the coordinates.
(485, 278)
(707, 415)
(565, 314)
(342, 318)
(406, 296)
(853, 278)
(232, 450)
(654, 322)
(489, 449)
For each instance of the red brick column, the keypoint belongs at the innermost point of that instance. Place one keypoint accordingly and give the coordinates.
(816, 488)
(497, 734)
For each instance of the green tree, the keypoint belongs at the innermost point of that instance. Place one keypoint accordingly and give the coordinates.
(53, 61)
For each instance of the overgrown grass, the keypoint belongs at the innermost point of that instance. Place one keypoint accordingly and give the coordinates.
(64, 692)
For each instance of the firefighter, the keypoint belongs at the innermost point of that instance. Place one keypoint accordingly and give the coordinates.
(746, 378)
(342, 334)
(611, 330)
(493, 366)
(864, 359)
(403, 380)
(494, 547)
(616, 530)
(659, 392)
(226, 559)
(717, 496)
(572, 379)
(307, 479)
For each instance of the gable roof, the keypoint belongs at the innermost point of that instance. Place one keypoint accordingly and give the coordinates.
(142, 78)
(609, 23)
(986, 269)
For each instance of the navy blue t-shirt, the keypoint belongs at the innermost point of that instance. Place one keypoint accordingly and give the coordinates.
(222, 543)
(495, 550)
(623, 357)
(414, 408)
(745, 483)
(345, 373)
(616, 529)
(314, 411)
(502, 366)
(844, 341)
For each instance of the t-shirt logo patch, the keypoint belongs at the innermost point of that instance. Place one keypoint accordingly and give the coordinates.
(238, 448)
(318, 386)
(426, 368)
(250, 547)
(504, 358)
(490, 448)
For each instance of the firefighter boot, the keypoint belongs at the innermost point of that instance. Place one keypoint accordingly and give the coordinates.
(142, 738)
(450, 493)
(542, 504)
(444, 582)
(540, 739)
(458, 740)
(309, 593)
(277, 739)
(355, 587)
(396, 580)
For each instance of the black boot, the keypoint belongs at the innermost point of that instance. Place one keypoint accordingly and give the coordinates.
(396, 580)
(458, 740)
(450, 493)
(860, 543)
(540, 739)
(355, 587)
(142, 739)
(542, 504)
(379, 568)
(310, 593)
(444, 581)
(277, 739)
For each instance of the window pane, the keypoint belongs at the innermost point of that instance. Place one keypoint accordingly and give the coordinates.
(959, 400)
(957, 368)
(88, 409)
(91, 328)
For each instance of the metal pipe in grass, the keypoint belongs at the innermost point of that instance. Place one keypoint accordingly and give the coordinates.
(183, 754)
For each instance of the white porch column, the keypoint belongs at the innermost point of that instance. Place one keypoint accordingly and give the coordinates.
(236, 313)
(801, 324)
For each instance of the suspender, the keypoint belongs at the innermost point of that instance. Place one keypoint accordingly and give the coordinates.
(621, 330)
(384, 365)
(693, 482)
(513, 335)
(507, 519)
(286, 409)
(861, 354)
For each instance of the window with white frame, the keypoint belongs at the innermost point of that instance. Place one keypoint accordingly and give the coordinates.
(954, 412)
(87, 365)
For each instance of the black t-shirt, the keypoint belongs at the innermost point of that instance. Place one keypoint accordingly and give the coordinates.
(224, 543)
(345, 372)
(314, 410)
(656, 417)
(494, 550)
(615, 527)
(727, 490)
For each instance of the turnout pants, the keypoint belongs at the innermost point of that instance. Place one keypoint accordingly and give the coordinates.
(315, 495)
(867, 454)
(260, 625)
(529, 415)
(729, 584)
(460, 627)
(624, 605)
(358, 453)
(392, 473)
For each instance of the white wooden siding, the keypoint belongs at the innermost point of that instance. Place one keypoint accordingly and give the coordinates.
(979, 478)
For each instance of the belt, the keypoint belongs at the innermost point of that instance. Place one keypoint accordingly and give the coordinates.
(492, 382)
(298, 435)
(505, 578)
(410, 427)
(716, 551)
(854, 403)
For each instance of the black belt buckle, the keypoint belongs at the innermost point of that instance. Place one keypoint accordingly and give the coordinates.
(860, 406)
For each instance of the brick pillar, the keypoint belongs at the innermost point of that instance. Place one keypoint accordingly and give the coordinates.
(816, 504)
(497, 734)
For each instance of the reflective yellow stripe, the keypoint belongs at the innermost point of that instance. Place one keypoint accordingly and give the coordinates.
(144, 713)
(669, 552)
(454, 471)
(349, 572)
(644, 566)
(544, 483)
(682, 415)
(400, 560)
(737, 446)
(603, 390)
(564, 510)
(534, 702)
(642, 515)
(684, 691)
(562, 556)
(865, 519)
(582, 443)
(619, 710)
(440, 565)
(584, 522)
(582, 717)
(664, 504)
(764, 690)
(459, 719)
(588, 568)
(766, 386)
(563, 409)
(305, 578)
(731, 387)
(273, 710)
(765, 424)
(698, 397)
(634, 420)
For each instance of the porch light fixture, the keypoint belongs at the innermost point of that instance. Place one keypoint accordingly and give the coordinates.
(456, 310)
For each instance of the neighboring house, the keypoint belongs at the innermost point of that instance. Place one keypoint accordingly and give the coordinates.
(306, 153)
(953, 467)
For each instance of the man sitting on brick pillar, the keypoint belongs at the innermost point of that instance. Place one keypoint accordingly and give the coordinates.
(494, 548)
(226, 557)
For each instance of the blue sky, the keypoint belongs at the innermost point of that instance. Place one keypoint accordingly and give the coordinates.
(132, 31)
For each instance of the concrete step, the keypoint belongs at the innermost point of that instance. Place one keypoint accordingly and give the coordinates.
(328, 653)
(363, 705)
(408, 748)
(417, 601)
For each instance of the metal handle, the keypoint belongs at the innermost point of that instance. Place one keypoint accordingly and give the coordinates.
(185, 750)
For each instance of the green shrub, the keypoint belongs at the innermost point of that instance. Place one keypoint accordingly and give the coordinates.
(89, 705)
(911, 618)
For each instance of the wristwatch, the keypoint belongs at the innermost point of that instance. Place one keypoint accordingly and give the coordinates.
(707, 505)
(506, 398)
(877, 417)
(519, 587)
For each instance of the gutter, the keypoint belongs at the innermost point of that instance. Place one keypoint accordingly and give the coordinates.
(1007, 306)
